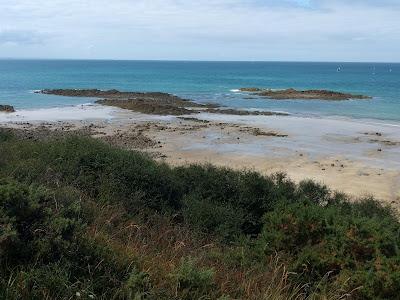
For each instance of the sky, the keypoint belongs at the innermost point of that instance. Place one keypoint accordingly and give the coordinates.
(251, 30)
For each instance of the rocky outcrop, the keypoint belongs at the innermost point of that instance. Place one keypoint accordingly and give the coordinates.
(237, 112)
(115, 95)
(148, 106)
(154, 103)
(7, 108)
(149, 103)
(250, 89)
(290, 94)
(81, 92)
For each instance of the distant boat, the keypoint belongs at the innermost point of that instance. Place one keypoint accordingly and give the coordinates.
(339, 69)
(390, 70)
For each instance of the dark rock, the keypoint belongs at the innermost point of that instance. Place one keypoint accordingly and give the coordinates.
(250, 89)
(155, 103)
(259, 132)
(7, 108)
(237, 112)
(149, 103)
(304, 95)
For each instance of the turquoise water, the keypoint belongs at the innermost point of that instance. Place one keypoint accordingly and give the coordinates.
(209, 81)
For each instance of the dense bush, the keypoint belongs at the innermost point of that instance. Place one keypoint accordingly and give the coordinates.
(108, 174)
(44, 218)
(44, 249)
(344, 242)
(34, 221)
(100, 171)
(246, 196)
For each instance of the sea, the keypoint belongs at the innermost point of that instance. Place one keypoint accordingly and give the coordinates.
(204, 82)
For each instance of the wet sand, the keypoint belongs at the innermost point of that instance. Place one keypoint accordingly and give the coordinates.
(357, 157)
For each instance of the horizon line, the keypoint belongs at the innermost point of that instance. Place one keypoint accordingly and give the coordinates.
(195, 60)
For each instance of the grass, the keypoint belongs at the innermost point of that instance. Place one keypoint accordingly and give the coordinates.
(78, 217)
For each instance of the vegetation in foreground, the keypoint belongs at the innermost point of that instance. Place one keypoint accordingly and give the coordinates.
(80, 219)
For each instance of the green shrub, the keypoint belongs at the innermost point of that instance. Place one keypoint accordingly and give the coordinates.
(248, 193)
(37, 282)
(138, 285)
(102, 172)
(315, 192)
(335, 239)
(193, 282)
(36, 224)
(107, 175)
(43, 245)
(44, 213)
(221, 220)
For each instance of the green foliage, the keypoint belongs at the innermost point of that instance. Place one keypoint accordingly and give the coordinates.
(207, 216)
(315, 192)
(193, 282)
(138, 285)
(107, 174)
(35, 222)
(40, 282)
(46, 250)
(248, 194)
(102, 172)
(345, 242)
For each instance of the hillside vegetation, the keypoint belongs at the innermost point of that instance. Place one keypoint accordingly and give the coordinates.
(81, 219)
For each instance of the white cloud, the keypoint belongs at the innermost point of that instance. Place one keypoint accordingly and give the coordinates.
(21, 37)
(219, 29)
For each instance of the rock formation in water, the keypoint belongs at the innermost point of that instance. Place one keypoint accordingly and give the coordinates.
(290, 94)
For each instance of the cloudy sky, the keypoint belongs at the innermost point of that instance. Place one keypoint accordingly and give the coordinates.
(290, 30)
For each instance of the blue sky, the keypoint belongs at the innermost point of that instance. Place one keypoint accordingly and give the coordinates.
(290, 30)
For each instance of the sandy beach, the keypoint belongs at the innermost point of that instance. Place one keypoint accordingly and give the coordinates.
(357, 157)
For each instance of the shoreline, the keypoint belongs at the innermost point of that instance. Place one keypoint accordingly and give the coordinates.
(31, 114)
(347, 155)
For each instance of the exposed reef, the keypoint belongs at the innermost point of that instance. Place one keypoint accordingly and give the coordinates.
(237, 112)
(154, 103)
(290, 94)
(148, 103)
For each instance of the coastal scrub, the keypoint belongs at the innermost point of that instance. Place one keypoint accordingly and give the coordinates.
(79, 217)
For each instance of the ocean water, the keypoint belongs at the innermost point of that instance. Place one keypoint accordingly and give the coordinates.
(210, 82)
